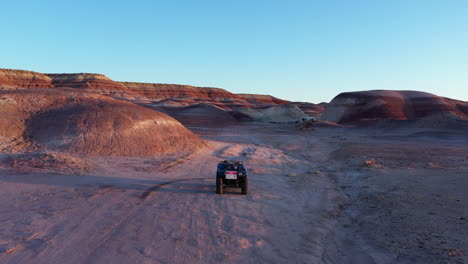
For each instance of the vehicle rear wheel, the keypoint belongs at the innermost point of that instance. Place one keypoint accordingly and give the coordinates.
(219, 185)
(245, 186)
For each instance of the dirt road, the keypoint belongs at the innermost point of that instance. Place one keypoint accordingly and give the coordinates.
(122, 214)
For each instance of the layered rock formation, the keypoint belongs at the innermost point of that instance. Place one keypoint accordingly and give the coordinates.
(383, 104)
(202, 114)
(92, 81)
(268, 99)
(163, 90)
(15, 79)
(19, 79)
(310, 109)
(163, 94)
(278, 113)
(88, 124)
(177, 95)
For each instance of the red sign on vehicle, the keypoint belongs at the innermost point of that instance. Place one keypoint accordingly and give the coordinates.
(231, 175)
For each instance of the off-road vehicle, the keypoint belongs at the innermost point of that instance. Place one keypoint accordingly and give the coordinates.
(231, 174)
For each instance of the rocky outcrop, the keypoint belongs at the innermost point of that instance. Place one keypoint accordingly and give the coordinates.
(202, 115)
(277, 113)
(186, 95)
(17, 79)
(87, 123)
(86, 81)
(163, 94)
(310, 109)
(383, 104)
(268, 99)
(163, 90)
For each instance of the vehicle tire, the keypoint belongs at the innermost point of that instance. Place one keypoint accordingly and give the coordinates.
(219, 185)
(245, 186)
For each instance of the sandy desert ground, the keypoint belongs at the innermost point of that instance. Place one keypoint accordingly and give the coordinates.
(324, 195)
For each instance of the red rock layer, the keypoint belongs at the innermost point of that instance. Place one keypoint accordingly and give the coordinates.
(382, 104)
(89, 124)
(163, 91)
(166, 94)
(309, 108)
(86, 81)
(180, 95)
(202, 115)
(19, 79)
(14, 79)
(255, 98)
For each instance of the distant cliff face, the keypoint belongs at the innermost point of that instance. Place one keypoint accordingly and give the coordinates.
(186, 94)
(163, 94)
(86, 81)
(311, 109)
(263, 98)
(162, 91)
(19, 79)
(382, 104)
(276, 113)
(14, 79)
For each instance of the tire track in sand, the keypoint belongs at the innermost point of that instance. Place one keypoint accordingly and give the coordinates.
(149, 191)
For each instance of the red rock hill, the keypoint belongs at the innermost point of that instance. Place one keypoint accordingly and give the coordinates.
(92, 81)
(165, 94)
(14, 79)
(182, 95)
(86, 123)
(383, 104)
(255, 98)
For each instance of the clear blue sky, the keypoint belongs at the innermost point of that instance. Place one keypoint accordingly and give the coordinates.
(296, 50)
